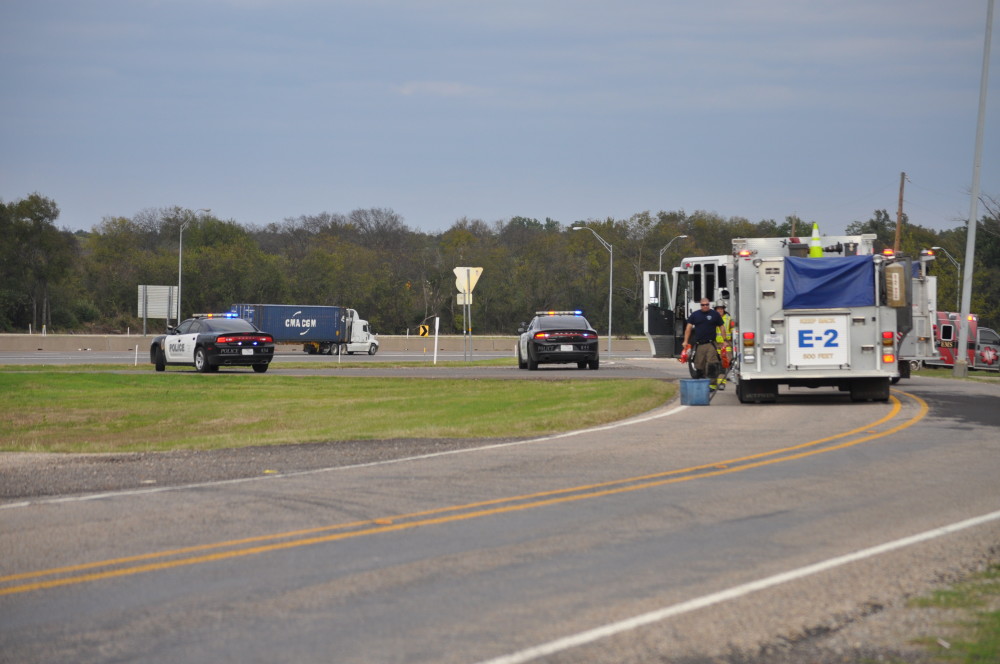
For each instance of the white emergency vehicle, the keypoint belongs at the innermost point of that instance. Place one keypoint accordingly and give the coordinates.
(820, 318)
(917, 322)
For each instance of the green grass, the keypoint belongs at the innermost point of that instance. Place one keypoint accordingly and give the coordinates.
(331, 364)
(975, 633)
(948, 372)
(102, 411)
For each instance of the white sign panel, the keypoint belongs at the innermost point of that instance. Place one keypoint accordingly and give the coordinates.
(466, 278)
(818, 340)
(158, 302)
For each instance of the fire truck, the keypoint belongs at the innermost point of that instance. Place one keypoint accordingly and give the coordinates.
(819, 312)
(822, 314)
(672, 297)
(983, 348)
(916, 324)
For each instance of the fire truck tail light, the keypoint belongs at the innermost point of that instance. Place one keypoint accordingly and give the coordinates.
(887, 338)
(749, 338)
(888, 358)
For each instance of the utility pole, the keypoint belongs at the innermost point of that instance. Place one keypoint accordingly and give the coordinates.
(899, 212)
(961, 368)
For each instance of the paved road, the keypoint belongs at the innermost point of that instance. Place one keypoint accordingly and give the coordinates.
(284, 354)
(294, 362)
(686, 532)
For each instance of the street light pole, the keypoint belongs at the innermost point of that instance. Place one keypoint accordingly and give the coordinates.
(660, 268)
(958, 275)
(611, 272)
(180, 252)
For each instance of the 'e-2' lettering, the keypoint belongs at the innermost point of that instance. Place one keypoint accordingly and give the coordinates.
(810, 339)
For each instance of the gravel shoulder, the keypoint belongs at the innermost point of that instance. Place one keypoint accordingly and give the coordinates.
(30, 476)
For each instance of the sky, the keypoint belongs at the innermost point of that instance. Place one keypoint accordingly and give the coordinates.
(264, 110)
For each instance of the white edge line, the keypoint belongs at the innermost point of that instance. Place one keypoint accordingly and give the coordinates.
(735, 592)
(200, 485)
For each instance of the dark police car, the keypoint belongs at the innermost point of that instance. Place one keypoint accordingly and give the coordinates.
(557, 337)
(208, 341)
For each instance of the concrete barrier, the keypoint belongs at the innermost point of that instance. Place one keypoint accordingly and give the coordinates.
(123, 342)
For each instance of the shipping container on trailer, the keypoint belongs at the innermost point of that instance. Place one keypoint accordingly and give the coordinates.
(320, 329)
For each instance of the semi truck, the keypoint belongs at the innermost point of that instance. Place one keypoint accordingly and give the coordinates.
(325, 330)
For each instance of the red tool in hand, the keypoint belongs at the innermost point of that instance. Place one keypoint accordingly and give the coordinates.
(685, 353)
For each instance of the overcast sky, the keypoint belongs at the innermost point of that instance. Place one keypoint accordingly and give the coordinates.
(442, 109)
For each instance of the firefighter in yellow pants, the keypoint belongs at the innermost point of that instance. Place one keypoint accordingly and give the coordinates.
(724, 342)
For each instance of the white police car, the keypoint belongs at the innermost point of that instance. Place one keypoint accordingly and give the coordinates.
(208, 341)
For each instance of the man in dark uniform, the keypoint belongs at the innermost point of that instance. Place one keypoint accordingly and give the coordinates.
(703, 324)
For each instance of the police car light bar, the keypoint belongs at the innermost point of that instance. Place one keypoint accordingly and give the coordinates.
(228, 314)
(578, 312)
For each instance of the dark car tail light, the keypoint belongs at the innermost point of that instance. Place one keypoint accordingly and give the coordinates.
(565, 334)
(244, 338)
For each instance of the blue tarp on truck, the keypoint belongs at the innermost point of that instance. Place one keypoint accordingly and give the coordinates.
(289, 323)
(829, 283)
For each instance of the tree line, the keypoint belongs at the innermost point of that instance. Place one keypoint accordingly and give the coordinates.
(395, 276)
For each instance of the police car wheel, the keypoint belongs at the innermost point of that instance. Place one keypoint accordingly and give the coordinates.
(201, 361)
(161, 361)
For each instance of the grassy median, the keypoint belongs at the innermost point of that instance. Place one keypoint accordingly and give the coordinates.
(60, 411)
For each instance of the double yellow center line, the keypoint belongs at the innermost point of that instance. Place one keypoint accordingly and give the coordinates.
(206, 553)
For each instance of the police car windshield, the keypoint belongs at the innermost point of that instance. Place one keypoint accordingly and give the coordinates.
(563, 323)
(227, 325)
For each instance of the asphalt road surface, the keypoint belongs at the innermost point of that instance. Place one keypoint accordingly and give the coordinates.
(685, 535)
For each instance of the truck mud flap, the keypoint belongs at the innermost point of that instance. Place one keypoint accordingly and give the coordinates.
(870, 389)
(757, 391)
